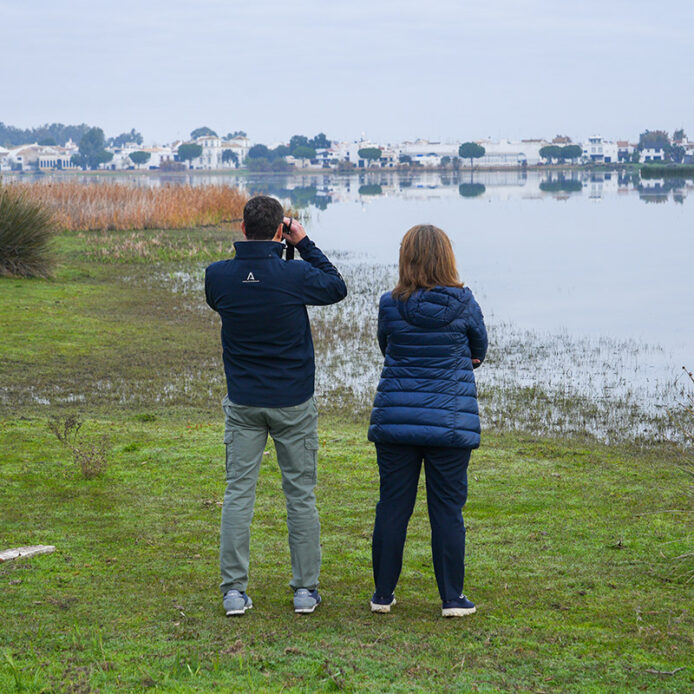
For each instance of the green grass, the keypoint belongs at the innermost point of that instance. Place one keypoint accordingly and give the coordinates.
(571, 545)
(569, 561)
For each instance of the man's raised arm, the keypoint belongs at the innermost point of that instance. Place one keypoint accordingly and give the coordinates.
(323, 284)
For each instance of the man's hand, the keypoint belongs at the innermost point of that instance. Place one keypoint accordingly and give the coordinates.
(296, 231)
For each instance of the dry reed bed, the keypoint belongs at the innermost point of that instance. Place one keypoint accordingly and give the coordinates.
(115, 206)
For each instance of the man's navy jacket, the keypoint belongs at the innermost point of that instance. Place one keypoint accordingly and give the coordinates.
(266, 336)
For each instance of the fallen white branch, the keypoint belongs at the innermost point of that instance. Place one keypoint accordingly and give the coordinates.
(8, 554)
(664, 672)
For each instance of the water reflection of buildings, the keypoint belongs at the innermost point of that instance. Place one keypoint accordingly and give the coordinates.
(599, 184)
(657, 190)
(367, 187)
(320, 190)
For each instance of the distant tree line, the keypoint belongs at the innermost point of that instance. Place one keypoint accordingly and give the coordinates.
(92, 146)
(262, 158)
(123, 139)
(58, 134)
(561, 153)
(51, 133)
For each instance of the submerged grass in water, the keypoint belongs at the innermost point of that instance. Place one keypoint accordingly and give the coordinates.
(544, 384)
(116, 330)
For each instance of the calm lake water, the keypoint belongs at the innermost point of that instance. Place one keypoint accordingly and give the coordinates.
(602, 258)
(586, 280)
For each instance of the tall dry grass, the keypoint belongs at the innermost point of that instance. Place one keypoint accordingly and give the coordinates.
(116, 206)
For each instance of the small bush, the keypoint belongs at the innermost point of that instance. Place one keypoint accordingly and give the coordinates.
(90, 458)
(25, 236)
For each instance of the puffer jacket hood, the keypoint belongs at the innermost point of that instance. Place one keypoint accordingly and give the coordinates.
(427, 395)
(434, 308)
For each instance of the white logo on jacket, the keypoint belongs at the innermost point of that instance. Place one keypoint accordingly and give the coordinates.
(250, 278)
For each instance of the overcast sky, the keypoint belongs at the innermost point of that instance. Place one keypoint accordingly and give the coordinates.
(439, 69)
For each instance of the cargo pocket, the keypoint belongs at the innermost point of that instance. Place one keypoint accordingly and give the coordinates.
(228, 442)
(311, 459)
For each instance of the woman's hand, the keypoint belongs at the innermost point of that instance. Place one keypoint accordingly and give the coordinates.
(476, 363)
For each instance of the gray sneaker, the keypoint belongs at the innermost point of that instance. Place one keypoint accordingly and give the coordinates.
(305, 600)
(236, 602)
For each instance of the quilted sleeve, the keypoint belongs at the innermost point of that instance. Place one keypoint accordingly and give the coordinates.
(381, 332)
(477, 331)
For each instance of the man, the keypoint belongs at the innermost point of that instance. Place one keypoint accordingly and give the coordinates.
(269, 367)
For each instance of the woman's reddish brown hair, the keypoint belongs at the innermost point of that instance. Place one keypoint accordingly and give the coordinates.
(426, 261)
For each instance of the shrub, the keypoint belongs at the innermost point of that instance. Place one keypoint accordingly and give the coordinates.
(25, 236)
(90, 458)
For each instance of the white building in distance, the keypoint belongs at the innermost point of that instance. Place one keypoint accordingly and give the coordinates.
(601, 151)
(4, 159)
(426, 153)
(652, 154)
(37, 157)
(213, 149)
(505, 153)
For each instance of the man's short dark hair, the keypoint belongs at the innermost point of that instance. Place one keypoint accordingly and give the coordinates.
(262, 215)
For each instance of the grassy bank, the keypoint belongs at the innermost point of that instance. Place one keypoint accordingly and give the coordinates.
(572, 544)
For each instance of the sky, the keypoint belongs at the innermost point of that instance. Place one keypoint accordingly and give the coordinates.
(446, 70)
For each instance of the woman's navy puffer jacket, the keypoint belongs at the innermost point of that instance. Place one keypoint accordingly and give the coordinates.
(427, 394)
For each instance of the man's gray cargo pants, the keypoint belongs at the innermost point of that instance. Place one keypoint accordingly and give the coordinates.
(294, 431)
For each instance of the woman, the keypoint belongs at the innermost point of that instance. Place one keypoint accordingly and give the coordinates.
(432, 334)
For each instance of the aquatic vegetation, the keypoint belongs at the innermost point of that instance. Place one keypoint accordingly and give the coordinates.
(542, 383)
(111, 206)
(158, 349)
